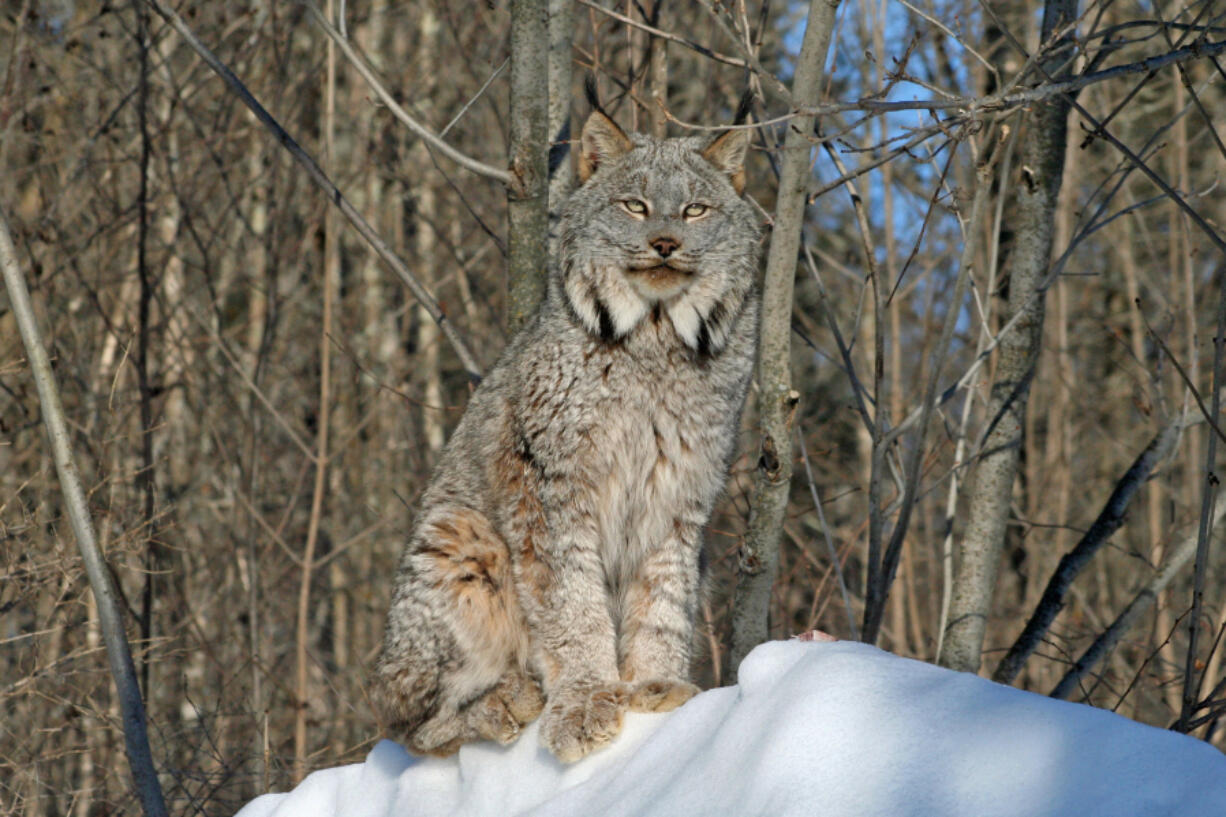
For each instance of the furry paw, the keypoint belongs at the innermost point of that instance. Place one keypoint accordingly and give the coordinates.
(506, 709)
(523, 698)
(491, 719)
(660, 695)
(583, 718)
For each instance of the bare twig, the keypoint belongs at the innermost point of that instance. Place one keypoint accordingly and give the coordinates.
(1108, 522)
(1140, 603)
(953, 36)
(656, 32)
(334, 194)
(385, 96)
(1190, 677)
(889, 561)
(835, 562)
(119, 655)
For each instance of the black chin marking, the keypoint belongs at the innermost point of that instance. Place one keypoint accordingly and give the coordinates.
(607, 332)
(702, 346)
(655, 312)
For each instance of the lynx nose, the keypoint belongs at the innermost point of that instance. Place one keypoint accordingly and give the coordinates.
(665, 245)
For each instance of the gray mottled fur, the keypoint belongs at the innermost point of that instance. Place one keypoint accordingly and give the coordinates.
(554, 563)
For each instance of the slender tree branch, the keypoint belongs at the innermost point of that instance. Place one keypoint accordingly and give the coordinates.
(467, 162)
(970, 250)
(1109, 520)
(656, 32)
(1179, 556)
(334, 194)
(1191, 683)
(119, 655)
(835, 562)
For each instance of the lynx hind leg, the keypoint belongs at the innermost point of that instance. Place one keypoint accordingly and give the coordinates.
(456, 625)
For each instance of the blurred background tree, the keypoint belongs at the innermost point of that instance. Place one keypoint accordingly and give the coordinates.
(182, 264)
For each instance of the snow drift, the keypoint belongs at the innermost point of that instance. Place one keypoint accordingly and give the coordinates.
(835, 730)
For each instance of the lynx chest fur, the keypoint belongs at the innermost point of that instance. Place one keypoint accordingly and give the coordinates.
(554, 562)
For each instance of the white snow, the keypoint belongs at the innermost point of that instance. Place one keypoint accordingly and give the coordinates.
(824, 729)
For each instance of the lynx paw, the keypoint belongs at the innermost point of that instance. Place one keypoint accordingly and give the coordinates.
(523, 698)
(501, 714)
(582, 719)
(660, 695)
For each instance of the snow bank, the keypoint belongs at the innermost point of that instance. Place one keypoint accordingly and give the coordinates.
(834, 730)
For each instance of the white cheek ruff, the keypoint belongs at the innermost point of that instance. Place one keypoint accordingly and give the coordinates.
(604, 302)
(626, 307)
(686, 321)
(579, 294)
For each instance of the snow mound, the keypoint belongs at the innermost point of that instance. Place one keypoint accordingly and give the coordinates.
(837, 730)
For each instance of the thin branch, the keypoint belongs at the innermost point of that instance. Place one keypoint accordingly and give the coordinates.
(119, 655)
(949, 33)
(976, 107)
(656, 32)
(480, 168)
(1109, 520)
(834, 553)
(1207, 520)
(1210, 417)
(334, 194)
(970, 249)
(1136, 608)
(480, 92)
(772, 82)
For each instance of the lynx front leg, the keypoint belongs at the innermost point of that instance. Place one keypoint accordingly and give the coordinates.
(657, 625)
(575, 646)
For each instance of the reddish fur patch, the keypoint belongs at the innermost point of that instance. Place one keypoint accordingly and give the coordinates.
(471, 562)
(515, 470)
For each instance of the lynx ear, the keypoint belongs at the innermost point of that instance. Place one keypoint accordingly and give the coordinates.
(600, 142)
(727, 154)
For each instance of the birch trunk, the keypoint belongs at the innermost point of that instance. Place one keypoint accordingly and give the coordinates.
(988, 507)
(759, 554)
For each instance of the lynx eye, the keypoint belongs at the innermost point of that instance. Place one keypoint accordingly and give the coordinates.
(634, 207)
(695, 210)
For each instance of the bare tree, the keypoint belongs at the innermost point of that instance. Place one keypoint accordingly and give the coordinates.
(901, 322)
(1042, 167)
(758, 558)
(528, 192)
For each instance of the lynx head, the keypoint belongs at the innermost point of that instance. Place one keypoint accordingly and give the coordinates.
(658, 225)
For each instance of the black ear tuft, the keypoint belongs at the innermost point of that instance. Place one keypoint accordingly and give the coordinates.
(743, 108)
(593, 96)
(601, 139)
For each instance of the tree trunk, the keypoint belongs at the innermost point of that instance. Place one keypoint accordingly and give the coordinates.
(528, 192)
(561, 169)
(759, 553)
(988, 508)
(331, 270)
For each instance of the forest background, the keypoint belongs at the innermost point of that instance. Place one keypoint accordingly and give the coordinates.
(1002, 310)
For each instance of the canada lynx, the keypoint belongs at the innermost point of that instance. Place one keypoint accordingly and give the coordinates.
(554, 563)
